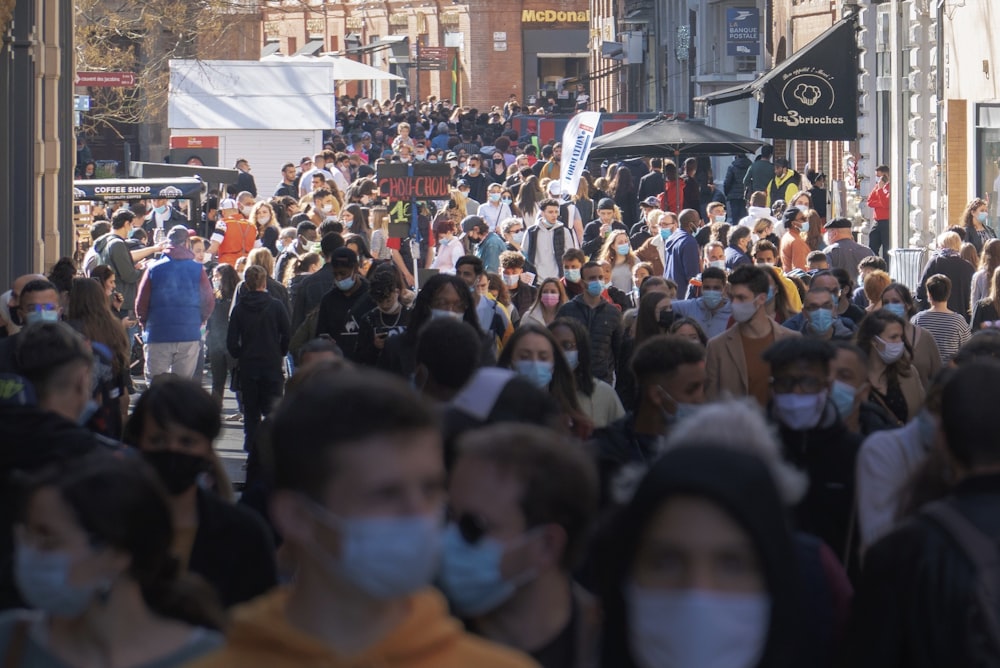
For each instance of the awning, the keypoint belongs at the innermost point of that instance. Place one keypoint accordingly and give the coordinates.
(311, 48)
(379, 44)
(269, 49)
(812, 95)
(344, 69)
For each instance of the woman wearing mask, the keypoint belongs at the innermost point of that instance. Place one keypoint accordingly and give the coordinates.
(494, 211)
(353, 218)
(551, 295)
(897, 299)
(357, 243)
(449, 248)
(93, 558)
(224, 282)
(507, 199)
(597, 399)
(661, 225)
(895, 384)
(512, 231)
(389, 317)
(443, 296)
(974, 220)
(263, 218)
(174, 425)
(533, 353)
(90, 314)
(498, 168)
(617, 251)
(703, 544)
(794, 249)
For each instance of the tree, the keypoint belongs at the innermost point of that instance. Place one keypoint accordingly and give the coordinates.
(142, 36)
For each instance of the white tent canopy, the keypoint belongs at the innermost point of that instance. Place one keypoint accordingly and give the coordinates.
(251, 95)
(344, 69)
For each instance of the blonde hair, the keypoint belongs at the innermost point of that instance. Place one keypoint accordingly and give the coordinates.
(261, 257)
(949, 240)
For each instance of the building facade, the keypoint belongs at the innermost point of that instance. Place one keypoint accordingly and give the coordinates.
(476, 52)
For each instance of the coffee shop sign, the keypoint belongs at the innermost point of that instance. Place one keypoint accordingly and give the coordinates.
(554, 16)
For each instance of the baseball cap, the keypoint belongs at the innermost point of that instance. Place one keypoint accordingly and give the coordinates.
(606, 204)
(305, 160)
(554, 188)
(650, 202)
(228, 203)
(343, 258)
(462, 183)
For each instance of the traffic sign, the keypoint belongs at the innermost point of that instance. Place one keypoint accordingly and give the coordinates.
(105, 79)
(433, 58)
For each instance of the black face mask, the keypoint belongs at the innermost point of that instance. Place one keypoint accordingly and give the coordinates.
(178, 471)
(665, 320)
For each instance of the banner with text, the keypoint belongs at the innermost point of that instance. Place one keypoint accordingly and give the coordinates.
(814, 94)
(743, 31)
(576, 141)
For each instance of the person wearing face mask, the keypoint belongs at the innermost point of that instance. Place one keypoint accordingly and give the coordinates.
(669, 375)
(717, 512)
(475, 179)
(880, 202)
(712, 310)
(38, 301)
(449, 247)
(734, 364)
(234, 236)
(850, 391)
(522, 502)
(842, 251)
(681, 251)
(41, 413)
(547, 240)
(714, 255)
(173, 426)
(597, 231)
(389, 317)
(162, 216)
(522, 293)
(975, 220)
(344, 305)
(489, 244)
(819, 319)
(93, 559)
(493, 211)
(794, 249)
(814, 437)
(895, 384)
(597, 399)
(602, 319)
(10, 318)
(361, 511)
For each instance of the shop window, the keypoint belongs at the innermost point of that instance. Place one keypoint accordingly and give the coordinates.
(988, 156)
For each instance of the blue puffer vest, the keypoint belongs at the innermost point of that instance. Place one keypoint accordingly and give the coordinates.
(175, 301)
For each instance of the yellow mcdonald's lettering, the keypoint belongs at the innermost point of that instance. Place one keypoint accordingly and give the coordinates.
(554, 16)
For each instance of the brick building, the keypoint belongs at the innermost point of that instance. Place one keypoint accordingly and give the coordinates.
(487, 50)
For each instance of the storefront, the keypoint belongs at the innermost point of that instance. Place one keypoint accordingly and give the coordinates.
(555, 51)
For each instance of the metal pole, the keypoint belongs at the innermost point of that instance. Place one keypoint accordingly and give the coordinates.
(67, 139)
(417, 76)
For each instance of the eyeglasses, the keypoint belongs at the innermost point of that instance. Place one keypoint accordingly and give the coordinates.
(38, 308)
(812, 308)
(808, 384)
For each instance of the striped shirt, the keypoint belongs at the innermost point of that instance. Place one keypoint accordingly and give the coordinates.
(948, 329)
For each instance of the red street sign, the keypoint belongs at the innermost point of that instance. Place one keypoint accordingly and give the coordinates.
(105, 79)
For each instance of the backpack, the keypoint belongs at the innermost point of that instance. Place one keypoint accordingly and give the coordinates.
(984, 553)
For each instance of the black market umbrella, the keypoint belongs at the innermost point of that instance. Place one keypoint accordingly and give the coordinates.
(669, 138)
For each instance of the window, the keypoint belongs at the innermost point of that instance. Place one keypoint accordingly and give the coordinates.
(746, 64)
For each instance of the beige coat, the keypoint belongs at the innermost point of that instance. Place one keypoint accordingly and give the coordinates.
(926, 358)
(726, 365)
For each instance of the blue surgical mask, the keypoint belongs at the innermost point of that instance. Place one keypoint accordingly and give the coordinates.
(42, 316)
(507, 201)
(518, 237)
(162, 210)
(622, 249)
(572, 275)
(43, 580)
(346, 284)
(494, 197)
(281, 247)
(982, 216)
(665, 233)
(572, 358)
(805, 226)
(770, 294)
(843, 396)
(821, 320)
(897, 309)
(799, 412)
(385, 557)
(539, 373)
(595, 288)
(470, 574)
(711, 298)
(348, 224)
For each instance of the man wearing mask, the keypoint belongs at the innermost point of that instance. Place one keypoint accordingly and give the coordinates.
(162, 217)
(475, 179)
(842, 251)
(602, 319)
(681, 250)
(305, 236)
(174, 301)
(572, 264)
(734, 363)
(819, 319)
(360, 509)
(547, 240)
(521, 500)
(38, 301)
(522, 293)
(879, 201)
(234, 236)
(342, 307)
(712, 310)
(489, 245)
(670, 378)
(315, 286)
(306, 184)
(785, 184)
(10, 318)
(814, 438)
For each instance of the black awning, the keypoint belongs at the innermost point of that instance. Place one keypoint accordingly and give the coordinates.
(811, 95)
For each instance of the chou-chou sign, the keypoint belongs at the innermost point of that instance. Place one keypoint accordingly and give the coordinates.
(425, 182)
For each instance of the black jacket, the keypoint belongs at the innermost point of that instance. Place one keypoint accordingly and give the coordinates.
(651, 185)
(733, 186)
(309, 294)
(259, 334)
(617, 445)
(375, 322)
(233, 550)
(826, 454)
(951, 264)
(593, 239)
(604, 324)
(915, 605)
(340, 315)
(246, 182)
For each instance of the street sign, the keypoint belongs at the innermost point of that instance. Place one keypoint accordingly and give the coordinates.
(433, 58)
(81, 103)
(105, 79)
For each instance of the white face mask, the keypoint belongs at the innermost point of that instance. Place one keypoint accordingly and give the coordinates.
(695, 628)
(327, 208)
(799, 412)
(744, 311)
(891, 352)
(264, 218)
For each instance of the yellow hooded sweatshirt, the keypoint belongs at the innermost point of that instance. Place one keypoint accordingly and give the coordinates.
(261, 637)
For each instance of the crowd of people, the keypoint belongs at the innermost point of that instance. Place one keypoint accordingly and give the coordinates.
(647, 423)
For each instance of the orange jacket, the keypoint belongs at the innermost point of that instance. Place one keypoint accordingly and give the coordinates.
(239, 238)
